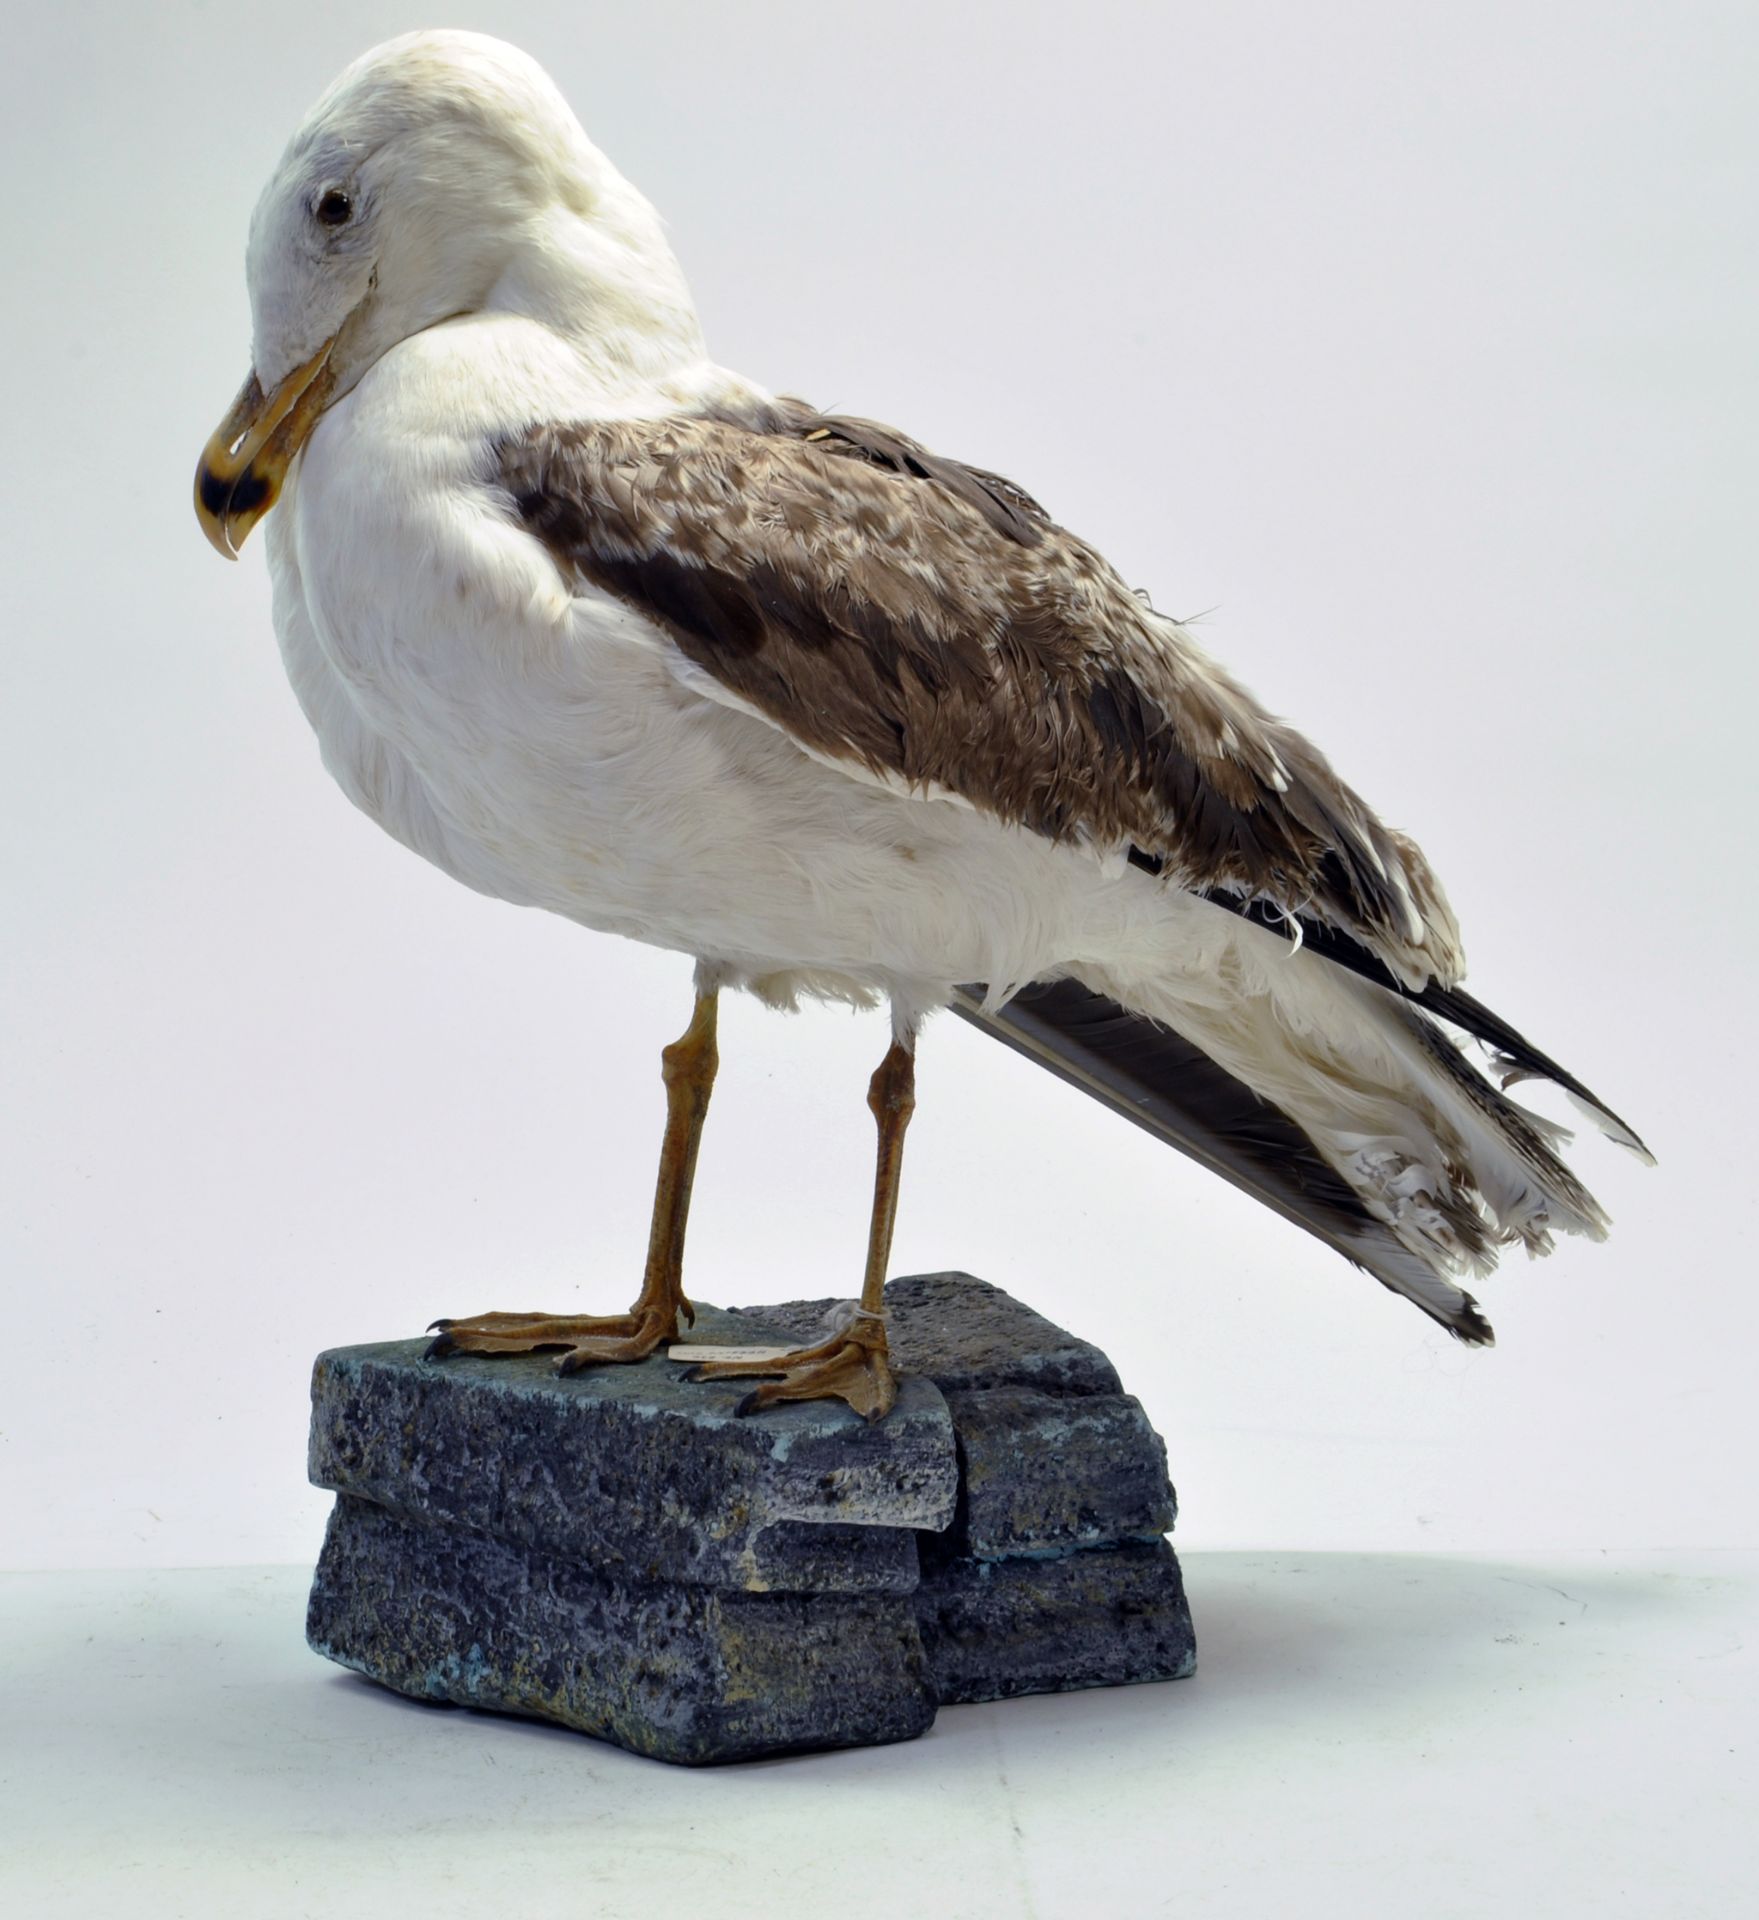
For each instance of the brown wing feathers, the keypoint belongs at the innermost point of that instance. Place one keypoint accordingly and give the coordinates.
(930, 621)
(1009, 509)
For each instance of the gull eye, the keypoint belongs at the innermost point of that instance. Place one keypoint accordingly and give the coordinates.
(335, 209)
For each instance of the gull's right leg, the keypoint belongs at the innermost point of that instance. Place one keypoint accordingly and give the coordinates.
(688, 1067)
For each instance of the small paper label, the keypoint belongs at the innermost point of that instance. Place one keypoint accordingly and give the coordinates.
(682, 1351)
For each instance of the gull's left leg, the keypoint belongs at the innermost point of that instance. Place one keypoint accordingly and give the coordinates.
(688, 1068)
(854, 1363)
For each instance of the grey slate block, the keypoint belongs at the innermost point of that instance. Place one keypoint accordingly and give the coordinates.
(1053, 1453)
(689, 1674)
(1042, 1473)
(637, 1470)
(1105, 1617)
(617, 1552)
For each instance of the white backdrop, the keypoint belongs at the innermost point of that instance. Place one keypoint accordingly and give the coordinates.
(1416, 343)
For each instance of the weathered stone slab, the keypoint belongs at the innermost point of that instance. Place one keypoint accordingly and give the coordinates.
(1053, 1453)
(689, 1674)
(636, 1470)
(618, 1552)
(1044, 1473)
(1107, 1617)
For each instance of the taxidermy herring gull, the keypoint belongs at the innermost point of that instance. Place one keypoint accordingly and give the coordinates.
(597, 625)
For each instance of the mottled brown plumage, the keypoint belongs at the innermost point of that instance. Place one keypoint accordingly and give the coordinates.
(928, 622)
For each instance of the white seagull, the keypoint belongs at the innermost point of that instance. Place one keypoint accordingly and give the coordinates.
(597, 625)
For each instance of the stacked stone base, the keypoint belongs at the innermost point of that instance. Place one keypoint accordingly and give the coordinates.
(619, 1553)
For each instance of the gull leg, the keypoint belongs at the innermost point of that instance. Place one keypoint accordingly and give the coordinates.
(854, 1364)
(688, 1068)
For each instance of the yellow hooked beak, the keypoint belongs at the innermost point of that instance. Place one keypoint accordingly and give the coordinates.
(242, 467)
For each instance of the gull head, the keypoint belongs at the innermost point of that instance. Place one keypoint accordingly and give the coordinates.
(442, 174)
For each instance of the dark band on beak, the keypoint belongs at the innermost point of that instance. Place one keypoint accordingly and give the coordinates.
(220, 498)
(243, 465)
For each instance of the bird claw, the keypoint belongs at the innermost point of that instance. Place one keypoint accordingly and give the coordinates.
(854, 1367)
(601, 1351)
(586, 1339)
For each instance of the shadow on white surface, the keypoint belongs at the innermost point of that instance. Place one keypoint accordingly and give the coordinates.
(1561, 1733)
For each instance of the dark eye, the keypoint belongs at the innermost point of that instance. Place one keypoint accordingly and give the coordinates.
(335, 209)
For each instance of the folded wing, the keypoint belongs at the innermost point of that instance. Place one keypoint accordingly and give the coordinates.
(927, 624)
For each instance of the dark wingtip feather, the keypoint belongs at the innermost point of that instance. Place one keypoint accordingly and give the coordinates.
(1171, 1088)
(1469, 1326)
(1471, 1015)
(1517, 1057)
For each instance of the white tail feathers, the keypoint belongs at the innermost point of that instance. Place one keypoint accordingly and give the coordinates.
(1453, 1168)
